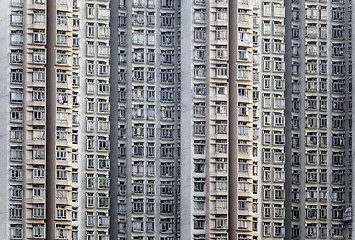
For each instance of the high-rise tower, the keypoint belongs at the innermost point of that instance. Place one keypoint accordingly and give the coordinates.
(55, 140)
(174, 119)
(319, 121)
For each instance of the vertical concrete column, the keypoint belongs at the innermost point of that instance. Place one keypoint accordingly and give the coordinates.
(208, 121)
(353, 124)
(186, 180)
(347, 110)
(176, 122)
(232, 121)
(4, 120)
(302, 120)
(288, 119)
(25, 126)
(50, 119)
(114, 120)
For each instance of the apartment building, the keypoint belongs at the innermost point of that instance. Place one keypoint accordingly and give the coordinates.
(55, 121)
(147, 117)
(168, 119)
(93, 145)
(319, 120)
(238, 119)
(268, 152)
(172, 72)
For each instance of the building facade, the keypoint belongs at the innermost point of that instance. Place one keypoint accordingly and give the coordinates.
(319, 91)
(170, 119)
(57, 81)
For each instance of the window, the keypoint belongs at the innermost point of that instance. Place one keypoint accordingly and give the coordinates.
(167, 150)
(221, 14)
(167, 19)
(221, 70)
(62, 134)
(38, 191)
(61, 173)
(221, 107)
(103, 125)
(221, 222)
(103, 181)
(266, 192)
(138, 168)
(16, 115)
(243, 146)
(167, 57)
(38, 94)
(16, 56)
(151, 22)
(279, 137)
(200, 34)
(167, 113)
(242, 91)
(16, 192)
(221, 146)
(243, 35)
(138, 149)
(166, 188)
(38, 172)
(221, 127)
(243, 185)
(199, 184)
(16, 76)
(242, 128)
(338, 32)
(199, 222)
(103, 143)
(311, 229)
(38, 230)
(199, 109)
(167, 94)
(221, 33)
(242, 223)
(167, 131)
(61, 232)
(103, 12)
(16, 153)
(16, 134)
(122, 150)
(199, 146)
(167, 225)
(38, 211)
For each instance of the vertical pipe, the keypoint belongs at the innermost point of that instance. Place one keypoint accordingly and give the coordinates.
(233, 121)
(50, 119)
